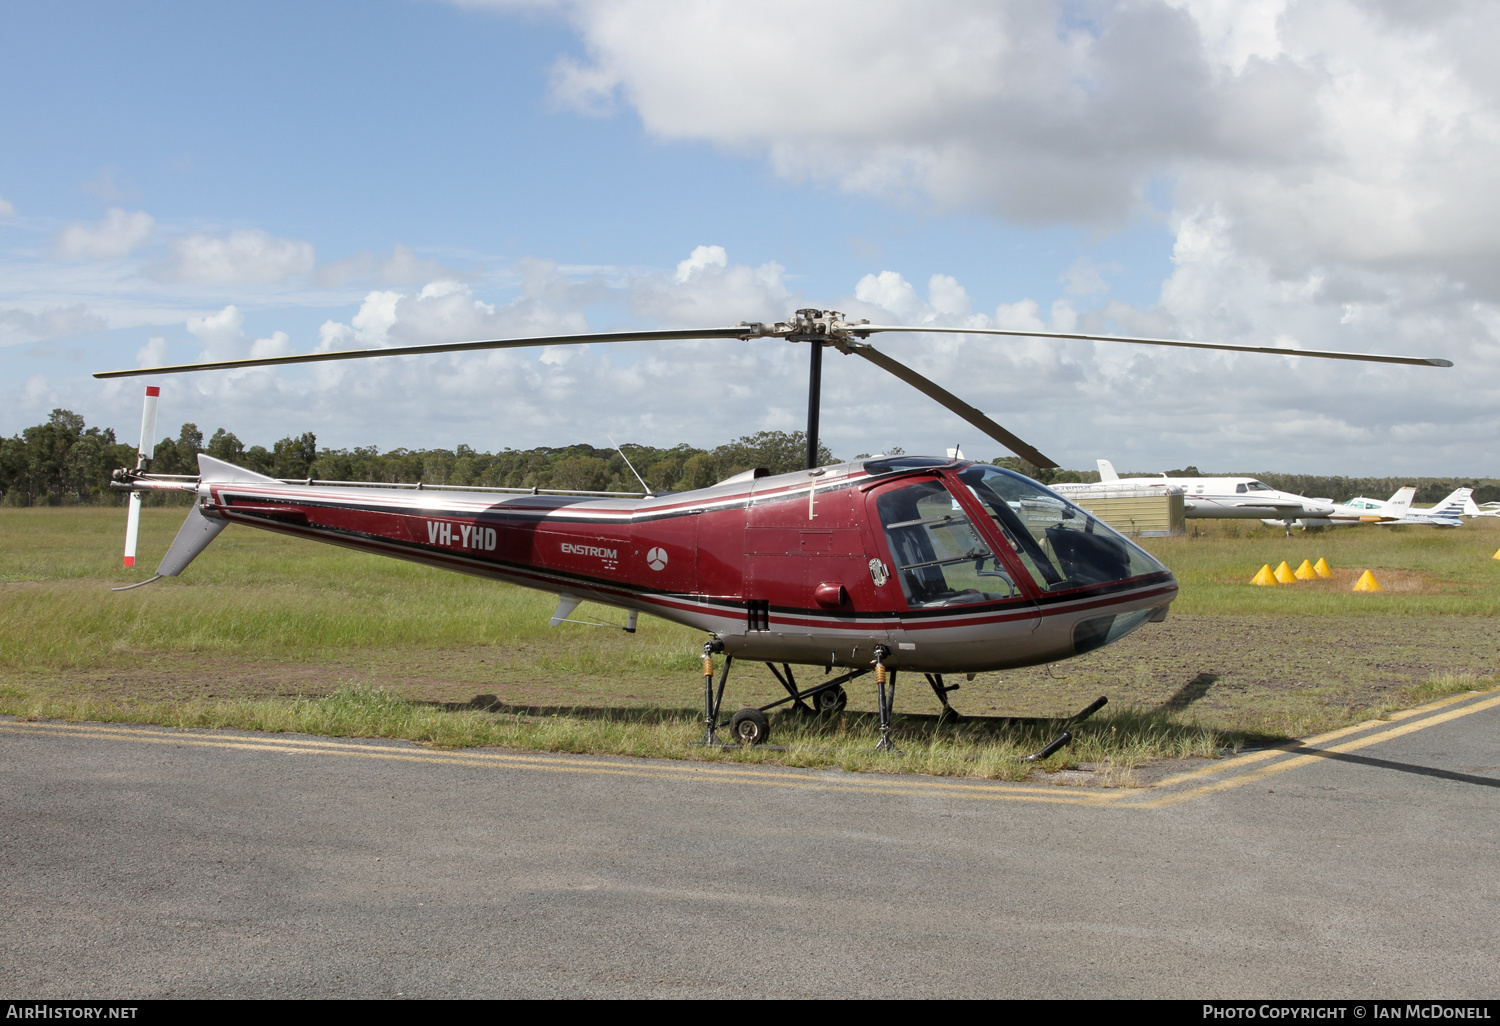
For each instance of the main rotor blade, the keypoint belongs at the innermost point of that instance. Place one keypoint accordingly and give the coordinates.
(933, 390)
(442, 347)
(1416, 361)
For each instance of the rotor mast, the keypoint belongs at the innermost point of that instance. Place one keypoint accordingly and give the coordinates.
(818, 328)
(814, 398)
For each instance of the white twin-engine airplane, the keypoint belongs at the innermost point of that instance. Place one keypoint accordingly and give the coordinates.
(1397, 510)
(1238, 498)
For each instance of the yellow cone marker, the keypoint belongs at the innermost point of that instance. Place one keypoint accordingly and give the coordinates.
(1367, 582)
(1284, 574)
(1265, 577)
(1496, 555)
(1305, 572)
(1322, 569)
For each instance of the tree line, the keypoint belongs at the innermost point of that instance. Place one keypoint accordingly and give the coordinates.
(63, 463)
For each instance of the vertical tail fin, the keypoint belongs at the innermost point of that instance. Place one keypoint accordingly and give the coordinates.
(1455, 504)
(142, 454)
(1400, 503)
(1107, 471)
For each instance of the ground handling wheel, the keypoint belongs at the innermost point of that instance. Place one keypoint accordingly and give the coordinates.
(831, 702)
(750, 727)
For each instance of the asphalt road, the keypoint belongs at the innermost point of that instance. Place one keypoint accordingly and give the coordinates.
(141, 862)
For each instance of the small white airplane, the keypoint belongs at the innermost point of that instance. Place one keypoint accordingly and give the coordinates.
(1361, 510)
(1395, 510)
(1489, 509)
(1237, 498)
(1447, 513)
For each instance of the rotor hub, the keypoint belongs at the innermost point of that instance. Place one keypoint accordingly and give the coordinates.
(826, 327)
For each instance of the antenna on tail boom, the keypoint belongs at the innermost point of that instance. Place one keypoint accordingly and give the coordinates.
(638, 477)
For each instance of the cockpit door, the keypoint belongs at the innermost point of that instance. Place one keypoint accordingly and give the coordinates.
(940, 559)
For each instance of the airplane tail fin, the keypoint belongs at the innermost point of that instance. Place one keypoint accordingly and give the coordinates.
(1400, 503)
(1107, 471)
(1455, 504)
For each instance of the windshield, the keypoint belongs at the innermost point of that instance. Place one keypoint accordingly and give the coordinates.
(1060, 545)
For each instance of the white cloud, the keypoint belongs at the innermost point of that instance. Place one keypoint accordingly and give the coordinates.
(218, 332)
(18, 325)
(402, 267)
(243, 255)
(706, 289)
(1086, 278)
(154, 353)
(117, 234)
(702, 258)
(1327, 130)
(223, 337)
(1145, 408)
(7, 209)
(279, 344)
(1325, 167)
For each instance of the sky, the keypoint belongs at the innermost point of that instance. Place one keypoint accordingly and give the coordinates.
(182, 181)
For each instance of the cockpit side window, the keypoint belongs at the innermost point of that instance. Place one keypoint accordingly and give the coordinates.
(1240, 489)
(941, 558)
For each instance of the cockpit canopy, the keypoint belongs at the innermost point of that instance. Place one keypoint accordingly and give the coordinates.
(943, 557)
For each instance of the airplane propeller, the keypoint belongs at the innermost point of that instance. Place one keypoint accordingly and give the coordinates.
(819, 327)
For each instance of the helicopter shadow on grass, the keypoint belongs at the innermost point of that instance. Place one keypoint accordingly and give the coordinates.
(1116, 729)
(926, 723)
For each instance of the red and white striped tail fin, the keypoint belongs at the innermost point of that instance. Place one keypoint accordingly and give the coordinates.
(142, 454)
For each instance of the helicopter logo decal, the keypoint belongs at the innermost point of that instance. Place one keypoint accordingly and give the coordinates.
(656, 559)
(589, 550)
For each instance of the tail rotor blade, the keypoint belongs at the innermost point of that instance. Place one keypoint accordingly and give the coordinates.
(954, 404)
(142, 454)
(148, 426)
(132, 528)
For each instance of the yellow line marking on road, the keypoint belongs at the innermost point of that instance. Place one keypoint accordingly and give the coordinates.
(978, 791)
(1318, 755)
(1234, 763)
(799, 781)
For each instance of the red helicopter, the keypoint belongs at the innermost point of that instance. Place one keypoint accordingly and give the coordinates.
(936, 566)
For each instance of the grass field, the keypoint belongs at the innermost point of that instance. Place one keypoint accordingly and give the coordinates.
(275, 633)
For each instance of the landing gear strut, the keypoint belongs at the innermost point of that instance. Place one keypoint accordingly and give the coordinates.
(711, 702)
(887, 700)
(949, 714)
(751, 726)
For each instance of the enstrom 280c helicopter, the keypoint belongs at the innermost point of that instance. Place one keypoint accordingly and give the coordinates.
(936, 566)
